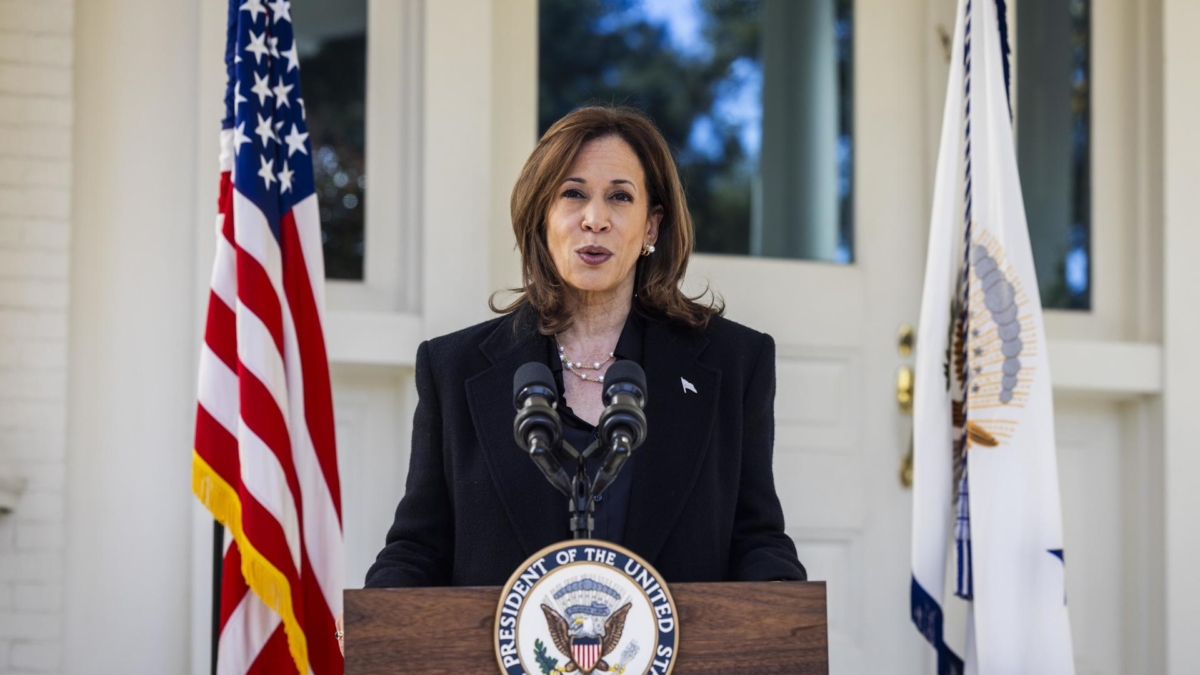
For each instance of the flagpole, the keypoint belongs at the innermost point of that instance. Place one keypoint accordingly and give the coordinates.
(218, 565)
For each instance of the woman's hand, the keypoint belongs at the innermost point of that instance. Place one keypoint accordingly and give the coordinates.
(341, 638)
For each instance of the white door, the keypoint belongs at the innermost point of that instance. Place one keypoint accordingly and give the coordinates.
(840, 437)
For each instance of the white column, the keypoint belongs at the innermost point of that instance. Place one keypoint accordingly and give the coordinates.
(1181, 331)
(132, 360)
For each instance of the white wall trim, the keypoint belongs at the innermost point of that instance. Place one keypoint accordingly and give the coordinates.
(373, 338)
(1117, 369)
(1181, 330)
(1142, 531)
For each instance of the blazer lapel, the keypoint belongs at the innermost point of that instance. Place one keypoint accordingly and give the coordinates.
(538, 512)
(681, 408)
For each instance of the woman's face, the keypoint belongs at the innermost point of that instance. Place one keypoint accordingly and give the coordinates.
(600, 218)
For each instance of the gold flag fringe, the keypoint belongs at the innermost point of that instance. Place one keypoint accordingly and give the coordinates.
(267, 582)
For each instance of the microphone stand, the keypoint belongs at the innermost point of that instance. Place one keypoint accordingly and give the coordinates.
(582, 506)
(582, 501)
(583, 492)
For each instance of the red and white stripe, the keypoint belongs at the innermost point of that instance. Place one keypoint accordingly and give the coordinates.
(265, 460)
(586, 656)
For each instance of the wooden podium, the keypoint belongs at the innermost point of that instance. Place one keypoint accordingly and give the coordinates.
(727, 628)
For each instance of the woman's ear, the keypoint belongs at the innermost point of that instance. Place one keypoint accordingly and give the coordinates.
(652, 222)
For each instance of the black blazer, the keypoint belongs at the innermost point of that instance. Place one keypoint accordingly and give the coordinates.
(703, 505)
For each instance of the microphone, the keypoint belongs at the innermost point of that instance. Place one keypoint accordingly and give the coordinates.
(622, 425)
(537, 428)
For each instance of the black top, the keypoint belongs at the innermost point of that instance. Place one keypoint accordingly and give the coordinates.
(702, 504)
(613, 504)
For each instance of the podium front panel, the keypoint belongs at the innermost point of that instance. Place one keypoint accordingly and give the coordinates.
(727, 628)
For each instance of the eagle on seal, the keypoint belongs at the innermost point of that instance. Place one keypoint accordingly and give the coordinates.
(586, 646)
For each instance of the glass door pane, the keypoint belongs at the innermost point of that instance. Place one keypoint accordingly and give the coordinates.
(1053, 127)
(754, 96)
(331, 38)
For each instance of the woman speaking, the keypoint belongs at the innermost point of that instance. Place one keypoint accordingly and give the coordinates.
(604, 234)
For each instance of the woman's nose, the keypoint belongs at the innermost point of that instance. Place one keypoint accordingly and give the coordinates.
(595, 216)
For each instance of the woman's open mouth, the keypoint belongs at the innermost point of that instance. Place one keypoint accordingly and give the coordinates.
(593, 255)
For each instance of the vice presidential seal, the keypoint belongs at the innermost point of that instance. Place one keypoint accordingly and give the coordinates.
(586, 606)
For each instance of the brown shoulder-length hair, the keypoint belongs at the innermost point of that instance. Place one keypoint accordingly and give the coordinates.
(658, 276)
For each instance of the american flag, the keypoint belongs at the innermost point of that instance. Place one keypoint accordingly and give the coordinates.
(265, 462)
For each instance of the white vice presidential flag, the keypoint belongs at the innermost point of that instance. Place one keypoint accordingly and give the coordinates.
(988, 589)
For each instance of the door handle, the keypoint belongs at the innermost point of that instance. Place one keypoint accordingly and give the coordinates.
(904, 389)
(904, 398)
(905, 381)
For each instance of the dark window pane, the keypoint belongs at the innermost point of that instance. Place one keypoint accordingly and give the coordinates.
(1054, 145)
(754, 97)
(331, 37)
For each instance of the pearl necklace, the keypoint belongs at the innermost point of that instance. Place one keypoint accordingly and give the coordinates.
(576, 367)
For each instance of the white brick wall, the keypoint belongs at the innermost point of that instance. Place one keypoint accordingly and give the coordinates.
(36, 54)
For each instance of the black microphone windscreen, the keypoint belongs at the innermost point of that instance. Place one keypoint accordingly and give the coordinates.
(626, 372)
(534, 373)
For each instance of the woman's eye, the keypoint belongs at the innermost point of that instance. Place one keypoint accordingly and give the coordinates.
(572, 194)
(623, 196)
